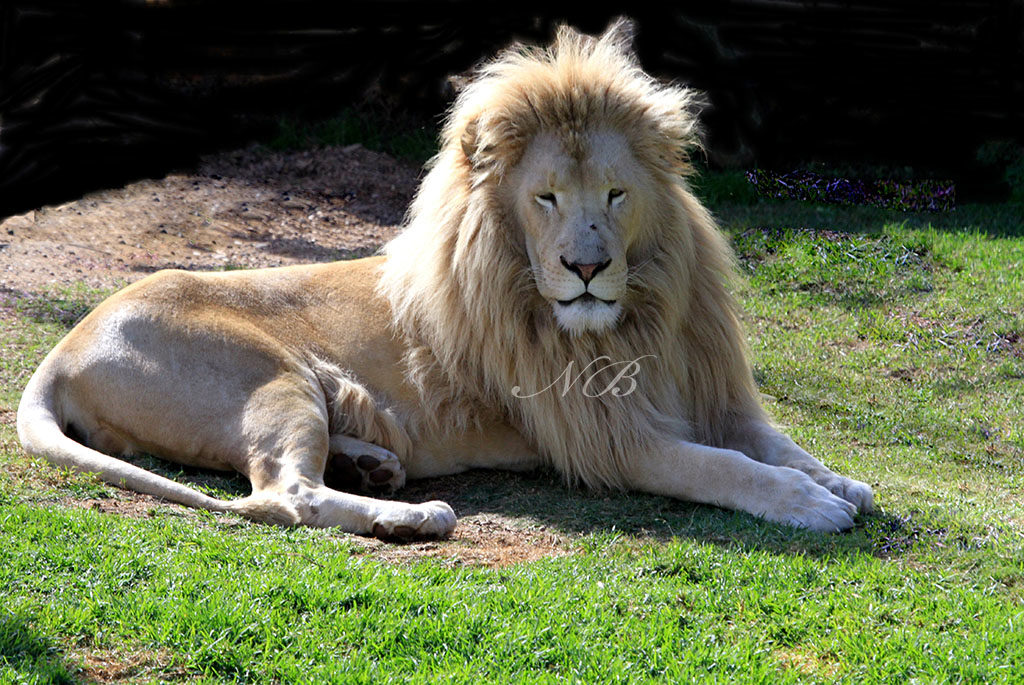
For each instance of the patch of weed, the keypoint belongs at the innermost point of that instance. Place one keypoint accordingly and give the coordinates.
(848, 269)
(398, 137)
(64, 305)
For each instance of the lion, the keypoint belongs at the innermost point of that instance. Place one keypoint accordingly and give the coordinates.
(558, 297)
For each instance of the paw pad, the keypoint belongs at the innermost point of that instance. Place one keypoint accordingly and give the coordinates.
(400, 533)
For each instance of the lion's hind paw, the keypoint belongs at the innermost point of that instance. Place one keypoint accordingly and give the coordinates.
(358, 466)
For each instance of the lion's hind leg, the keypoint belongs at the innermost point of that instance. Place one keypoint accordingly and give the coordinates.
(290, 448)
(289, 489)
(370, 462)
(357, 465)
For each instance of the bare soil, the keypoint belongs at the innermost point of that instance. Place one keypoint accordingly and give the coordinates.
(487, 539)
(247, 208)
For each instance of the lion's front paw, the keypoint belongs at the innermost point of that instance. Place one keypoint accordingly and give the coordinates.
(853, 491)
(414, 521)
(803, 503)
(357, 466)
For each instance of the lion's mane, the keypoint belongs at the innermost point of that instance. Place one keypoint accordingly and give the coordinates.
(459, 282)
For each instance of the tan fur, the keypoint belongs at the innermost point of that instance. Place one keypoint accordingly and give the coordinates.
(442, 356)
(450, 275)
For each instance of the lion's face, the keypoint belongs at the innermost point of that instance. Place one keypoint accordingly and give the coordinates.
(579, 210)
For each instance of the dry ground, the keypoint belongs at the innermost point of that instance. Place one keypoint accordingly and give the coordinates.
(248, 208)
(243, 209)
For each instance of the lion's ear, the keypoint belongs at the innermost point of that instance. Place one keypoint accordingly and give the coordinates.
(490, 146)
(469, 140)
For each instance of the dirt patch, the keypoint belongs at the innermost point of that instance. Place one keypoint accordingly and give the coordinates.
(973, 333)
(488, 540)
(243, 209)
(128, 667)
(806, 663)
(481, 539)
(132, 505)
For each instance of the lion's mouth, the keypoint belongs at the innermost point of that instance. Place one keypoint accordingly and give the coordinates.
(584, 299)
(587, 312)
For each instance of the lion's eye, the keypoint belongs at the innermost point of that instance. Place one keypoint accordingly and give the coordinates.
(546, 200)
(615, 196)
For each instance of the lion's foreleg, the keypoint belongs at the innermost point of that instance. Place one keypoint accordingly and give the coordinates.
(763, 442)
(730, 479)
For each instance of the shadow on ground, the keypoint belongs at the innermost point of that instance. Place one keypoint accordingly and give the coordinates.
(994, 220)
(541, 497)
(26, 656)
(539, 500)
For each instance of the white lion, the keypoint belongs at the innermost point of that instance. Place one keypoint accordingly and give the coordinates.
(557, 298)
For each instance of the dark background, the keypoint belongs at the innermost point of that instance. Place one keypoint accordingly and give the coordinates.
(98, 93)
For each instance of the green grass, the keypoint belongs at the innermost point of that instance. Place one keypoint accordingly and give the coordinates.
(891, 346)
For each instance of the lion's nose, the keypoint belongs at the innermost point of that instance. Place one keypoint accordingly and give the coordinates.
(586, 272)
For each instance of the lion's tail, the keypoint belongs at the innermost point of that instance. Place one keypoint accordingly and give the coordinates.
(41, 434)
